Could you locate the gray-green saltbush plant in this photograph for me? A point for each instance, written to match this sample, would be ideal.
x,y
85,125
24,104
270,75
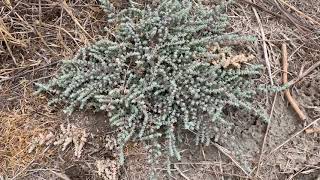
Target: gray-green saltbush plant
x,y
155,76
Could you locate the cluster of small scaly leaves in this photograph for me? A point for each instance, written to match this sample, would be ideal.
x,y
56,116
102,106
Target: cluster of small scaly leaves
x,y
150,79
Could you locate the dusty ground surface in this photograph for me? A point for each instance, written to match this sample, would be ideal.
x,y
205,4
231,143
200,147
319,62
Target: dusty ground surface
x,y
36,34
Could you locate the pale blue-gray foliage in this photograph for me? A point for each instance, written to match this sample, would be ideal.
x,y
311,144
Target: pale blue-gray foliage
x,y
154,75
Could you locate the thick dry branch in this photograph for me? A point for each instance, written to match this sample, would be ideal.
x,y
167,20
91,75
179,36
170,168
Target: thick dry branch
x,y
291,100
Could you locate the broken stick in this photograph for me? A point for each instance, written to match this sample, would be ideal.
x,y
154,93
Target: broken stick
x,y
292,101
312,130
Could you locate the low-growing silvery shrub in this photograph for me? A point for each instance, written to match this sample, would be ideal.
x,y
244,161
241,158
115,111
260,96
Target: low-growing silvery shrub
x,y
164,69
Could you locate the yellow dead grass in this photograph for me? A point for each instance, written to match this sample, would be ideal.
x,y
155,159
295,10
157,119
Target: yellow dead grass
x,y
17,129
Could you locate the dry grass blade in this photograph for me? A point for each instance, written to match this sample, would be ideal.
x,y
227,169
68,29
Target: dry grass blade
x,y
8,46
65,6
265,136
307,26
15,139
7,3
7,36
294,21
29,71
262,8
60,175
16,176
299,12
264,45
17,128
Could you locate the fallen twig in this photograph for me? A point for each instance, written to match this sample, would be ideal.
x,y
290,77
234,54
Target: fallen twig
x,y
181,173
291,100
305,73
262,8
9,49
301,24
312,130
226,152
300,13
293,136
302,27
26,72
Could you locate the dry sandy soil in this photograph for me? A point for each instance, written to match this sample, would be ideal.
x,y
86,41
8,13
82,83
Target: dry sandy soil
x,y
36,34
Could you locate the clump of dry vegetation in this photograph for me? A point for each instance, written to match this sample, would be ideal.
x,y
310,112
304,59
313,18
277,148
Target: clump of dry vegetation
x,y
68,135
17,129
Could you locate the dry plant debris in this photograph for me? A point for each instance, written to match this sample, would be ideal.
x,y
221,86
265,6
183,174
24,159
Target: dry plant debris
x,y
111,143
237,60
20,120
227,59
36,33
69,135
108,169
16,130
8,37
